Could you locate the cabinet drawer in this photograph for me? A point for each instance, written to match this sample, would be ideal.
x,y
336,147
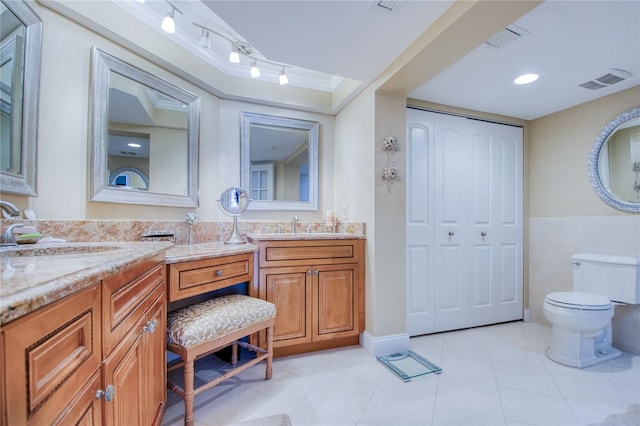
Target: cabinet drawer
x,y
188,279
125,299
282,253
49,355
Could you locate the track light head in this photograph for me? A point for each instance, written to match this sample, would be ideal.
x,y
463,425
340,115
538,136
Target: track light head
x,y
283,79
168,24
255,71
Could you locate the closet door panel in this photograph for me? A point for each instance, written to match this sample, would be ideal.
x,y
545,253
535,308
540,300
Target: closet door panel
x,y
420,224
451,289
510,283
482,294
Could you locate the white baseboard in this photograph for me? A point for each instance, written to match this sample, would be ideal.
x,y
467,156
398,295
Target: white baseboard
x,y
527,315
384,345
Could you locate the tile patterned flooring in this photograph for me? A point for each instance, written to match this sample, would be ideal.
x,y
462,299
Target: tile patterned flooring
x,y
494,375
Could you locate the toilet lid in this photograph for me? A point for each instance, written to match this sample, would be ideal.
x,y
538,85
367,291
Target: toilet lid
x,y
579,300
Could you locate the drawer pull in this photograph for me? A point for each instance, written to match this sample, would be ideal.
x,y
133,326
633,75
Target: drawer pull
x,y
151,326
108,394
219,273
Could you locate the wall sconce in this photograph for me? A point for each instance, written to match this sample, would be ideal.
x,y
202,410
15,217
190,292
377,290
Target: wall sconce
x,y
390,171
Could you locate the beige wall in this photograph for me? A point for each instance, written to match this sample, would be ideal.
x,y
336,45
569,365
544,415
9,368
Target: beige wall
x,y
63,133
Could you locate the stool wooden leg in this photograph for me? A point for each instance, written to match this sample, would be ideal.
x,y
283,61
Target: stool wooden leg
x,y
269,359
188,392
234,353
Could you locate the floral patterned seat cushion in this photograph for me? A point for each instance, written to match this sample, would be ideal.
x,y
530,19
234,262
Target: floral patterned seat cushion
x,y
215,318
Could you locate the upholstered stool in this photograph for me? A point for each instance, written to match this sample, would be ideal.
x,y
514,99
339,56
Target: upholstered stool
x,y
206,327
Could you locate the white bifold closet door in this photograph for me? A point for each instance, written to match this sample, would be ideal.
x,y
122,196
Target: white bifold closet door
x,y
464,222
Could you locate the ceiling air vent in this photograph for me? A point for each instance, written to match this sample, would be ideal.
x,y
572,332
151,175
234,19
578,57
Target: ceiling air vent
x,y
389,6
612,77
509,34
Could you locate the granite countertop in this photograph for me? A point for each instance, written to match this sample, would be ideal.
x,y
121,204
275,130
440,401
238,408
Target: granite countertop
x,y
36,275
178,254
303,236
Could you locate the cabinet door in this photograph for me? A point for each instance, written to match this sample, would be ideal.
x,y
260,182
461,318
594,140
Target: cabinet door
x,y
155,360
50,357
86,409
136,370
124,370
290,290
335,313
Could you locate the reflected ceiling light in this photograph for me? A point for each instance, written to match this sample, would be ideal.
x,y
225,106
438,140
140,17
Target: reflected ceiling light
x,y
168,24
255,71
283,79
526,79
134,145
205,41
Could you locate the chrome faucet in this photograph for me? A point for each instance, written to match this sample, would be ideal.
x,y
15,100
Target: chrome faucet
x,y
7,238
10,208
310,228
293,224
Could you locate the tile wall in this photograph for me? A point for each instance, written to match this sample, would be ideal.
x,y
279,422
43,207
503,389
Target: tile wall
x,y
552,241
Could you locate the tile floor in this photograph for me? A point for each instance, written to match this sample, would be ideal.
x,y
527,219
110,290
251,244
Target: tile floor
x,y
494,375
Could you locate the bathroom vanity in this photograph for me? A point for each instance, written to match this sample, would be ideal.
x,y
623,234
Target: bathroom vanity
x,y
82,334
317,283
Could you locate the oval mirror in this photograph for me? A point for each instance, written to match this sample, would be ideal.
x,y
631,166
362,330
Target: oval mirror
x,y
614,162
234,201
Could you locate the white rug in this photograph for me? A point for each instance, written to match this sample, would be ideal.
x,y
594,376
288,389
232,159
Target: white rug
x,y
630,418
275,420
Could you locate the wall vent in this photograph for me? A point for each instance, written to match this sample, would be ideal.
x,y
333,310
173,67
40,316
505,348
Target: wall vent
x,y
506,36
612,77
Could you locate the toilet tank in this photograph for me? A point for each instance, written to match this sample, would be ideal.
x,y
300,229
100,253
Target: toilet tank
x,y
615,277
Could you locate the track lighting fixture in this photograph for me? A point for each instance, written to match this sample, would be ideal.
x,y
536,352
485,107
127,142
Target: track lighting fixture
x,y
168,24
283,79
241,48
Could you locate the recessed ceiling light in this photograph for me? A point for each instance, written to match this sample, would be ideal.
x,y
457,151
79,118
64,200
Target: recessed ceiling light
x,y
526,79
134,145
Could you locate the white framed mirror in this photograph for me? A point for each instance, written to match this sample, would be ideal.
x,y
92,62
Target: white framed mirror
x,y
279,162
614,162
20,62
143,124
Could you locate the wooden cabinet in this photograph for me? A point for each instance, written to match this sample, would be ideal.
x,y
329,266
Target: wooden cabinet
x,y
106,340
318,288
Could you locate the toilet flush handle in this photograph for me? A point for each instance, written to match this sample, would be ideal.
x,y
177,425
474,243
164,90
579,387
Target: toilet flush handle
x,y
577,262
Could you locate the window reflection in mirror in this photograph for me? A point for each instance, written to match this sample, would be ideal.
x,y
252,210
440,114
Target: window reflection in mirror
x,y
279,162
141,122
20,58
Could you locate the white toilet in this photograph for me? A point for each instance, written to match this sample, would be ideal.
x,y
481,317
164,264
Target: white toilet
x,y
581,319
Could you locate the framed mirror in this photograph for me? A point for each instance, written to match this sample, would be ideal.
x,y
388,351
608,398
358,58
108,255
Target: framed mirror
x,y
279,162
144,137
614,162
20,59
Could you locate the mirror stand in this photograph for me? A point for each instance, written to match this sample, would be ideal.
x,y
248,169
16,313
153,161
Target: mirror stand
x,y
234,201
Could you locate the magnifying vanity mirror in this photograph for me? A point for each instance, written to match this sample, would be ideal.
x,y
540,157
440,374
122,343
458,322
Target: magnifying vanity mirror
x,y
234,201
20,59
614,162
144,147
279,162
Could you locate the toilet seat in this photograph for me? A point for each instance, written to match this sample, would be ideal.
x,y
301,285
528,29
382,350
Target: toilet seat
x,y
579,301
